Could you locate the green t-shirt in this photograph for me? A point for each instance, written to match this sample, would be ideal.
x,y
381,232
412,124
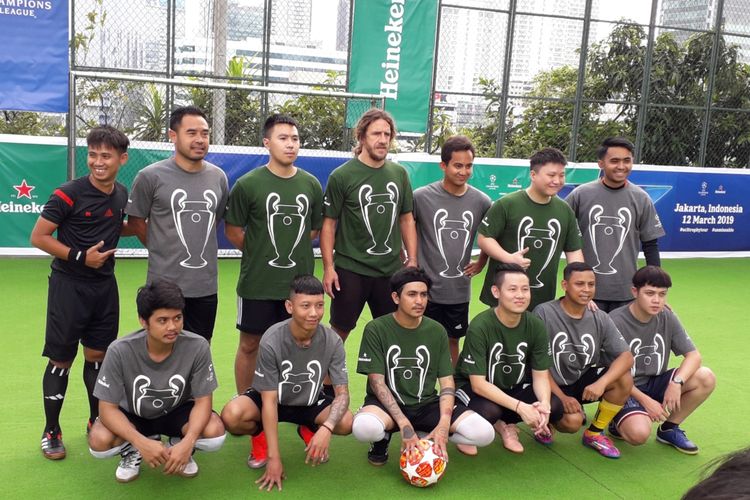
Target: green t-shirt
x,y
517,222
412,360
504,356
278,215
367,203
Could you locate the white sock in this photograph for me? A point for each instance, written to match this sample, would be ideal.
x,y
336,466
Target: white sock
x,y
108,453
210,444
368,428
473,430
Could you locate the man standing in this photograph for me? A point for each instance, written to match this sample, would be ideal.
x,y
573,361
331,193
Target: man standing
x,y
590,360
83,302
660,394
403,355
530,228
174,207
615,218
274,212
158,380
363,200
448,214
503,370
295,356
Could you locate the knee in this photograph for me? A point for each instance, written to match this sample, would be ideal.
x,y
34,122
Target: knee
x,y
249,343
344,427
367,427
569,423
635,433
100,438
232,415
214,427
706,378
93,356
61,364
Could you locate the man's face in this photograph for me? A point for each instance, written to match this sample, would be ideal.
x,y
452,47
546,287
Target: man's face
x,y
164,325
104,162
616,165
580,287
514,295
549,180
458,170
283,144
377,140
413,299
650,299
191,138
306,310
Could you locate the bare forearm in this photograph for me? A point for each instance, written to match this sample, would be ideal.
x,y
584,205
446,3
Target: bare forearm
x,y
235,235
138,227
689,365
198,419
555,388
339,406
619,367
540,384
270,417
409,235
492,248
327,240
574,256
377,383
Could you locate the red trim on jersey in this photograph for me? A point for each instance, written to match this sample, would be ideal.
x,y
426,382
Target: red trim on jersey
x,y
63,196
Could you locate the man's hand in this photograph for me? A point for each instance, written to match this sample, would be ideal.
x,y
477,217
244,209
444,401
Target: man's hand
x,y
154,453
273,475
317,450
592,306
518,258
473,268
409,439
672,397
530,415
95,258
571,405
594,391
179,455
330,281
544,412
439,436
655,411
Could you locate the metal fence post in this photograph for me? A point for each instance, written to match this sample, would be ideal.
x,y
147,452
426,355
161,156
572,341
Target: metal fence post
x,y
573,149
645,86
506,79
711,79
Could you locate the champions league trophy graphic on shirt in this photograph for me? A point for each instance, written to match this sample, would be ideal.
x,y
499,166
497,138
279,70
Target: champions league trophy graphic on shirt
x,y
145,396
286,223
573,356
509,362
379,206
407,368
541,243
296,383
452,238
648,358
603,227
194,221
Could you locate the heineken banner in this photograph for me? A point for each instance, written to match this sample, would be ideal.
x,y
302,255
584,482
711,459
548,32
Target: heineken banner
x,y
34,56
392,54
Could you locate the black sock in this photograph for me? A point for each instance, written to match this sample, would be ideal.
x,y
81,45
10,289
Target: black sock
x,y
328,390
90,372
54,386
666,426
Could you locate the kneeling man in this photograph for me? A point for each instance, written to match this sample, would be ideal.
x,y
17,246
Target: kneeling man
x,y
295,356
403,355
590,360
158,380
660,394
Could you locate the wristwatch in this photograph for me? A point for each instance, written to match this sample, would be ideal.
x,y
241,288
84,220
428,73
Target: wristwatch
x,y
677,380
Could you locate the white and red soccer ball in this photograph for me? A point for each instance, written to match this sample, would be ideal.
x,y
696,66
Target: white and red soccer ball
x,y
423,467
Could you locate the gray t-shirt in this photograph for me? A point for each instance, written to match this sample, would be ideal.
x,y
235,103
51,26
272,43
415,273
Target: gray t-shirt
x,y
139,385
296,372
447,225
578,344
613,224
183,209
651,342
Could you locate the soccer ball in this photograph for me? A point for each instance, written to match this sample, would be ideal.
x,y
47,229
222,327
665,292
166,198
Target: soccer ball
x,y
425,467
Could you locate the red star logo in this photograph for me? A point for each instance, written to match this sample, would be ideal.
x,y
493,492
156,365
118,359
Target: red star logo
x,y
24,190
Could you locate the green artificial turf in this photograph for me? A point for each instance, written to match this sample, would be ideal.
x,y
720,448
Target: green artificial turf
x,y
709,296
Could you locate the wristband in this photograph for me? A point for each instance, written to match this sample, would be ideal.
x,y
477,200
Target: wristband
x,y
77,257
326,427
517,405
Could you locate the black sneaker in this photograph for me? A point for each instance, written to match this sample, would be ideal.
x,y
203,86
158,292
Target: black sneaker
x,y
52,445
378,454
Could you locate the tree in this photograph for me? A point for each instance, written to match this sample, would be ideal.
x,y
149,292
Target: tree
x,y
152,115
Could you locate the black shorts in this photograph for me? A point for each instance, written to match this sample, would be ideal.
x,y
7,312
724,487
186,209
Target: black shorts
x,y
200,315
654,388
79,310
356,289
453,317
423,418
610,305
170,424
300,415
575,390
492,412
257,316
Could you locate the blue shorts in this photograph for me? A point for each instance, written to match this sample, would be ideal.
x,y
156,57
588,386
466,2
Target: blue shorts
x,y
654,388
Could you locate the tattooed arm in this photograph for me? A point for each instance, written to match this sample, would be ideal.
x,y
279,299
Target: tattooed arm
x,y
439,435
317,450
409,438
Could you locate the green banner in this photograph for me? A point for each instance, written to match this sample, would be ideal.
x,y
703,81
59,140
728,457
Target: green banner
x,y
28,175
392,54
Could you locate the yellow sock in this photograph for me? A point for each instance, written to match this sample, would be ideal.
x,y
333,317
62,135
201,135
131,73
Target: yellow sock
x,y
604,414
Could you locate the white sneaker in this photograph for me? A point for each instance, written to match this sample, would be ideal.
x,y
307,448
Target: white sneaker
x,y
191,468
129,467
